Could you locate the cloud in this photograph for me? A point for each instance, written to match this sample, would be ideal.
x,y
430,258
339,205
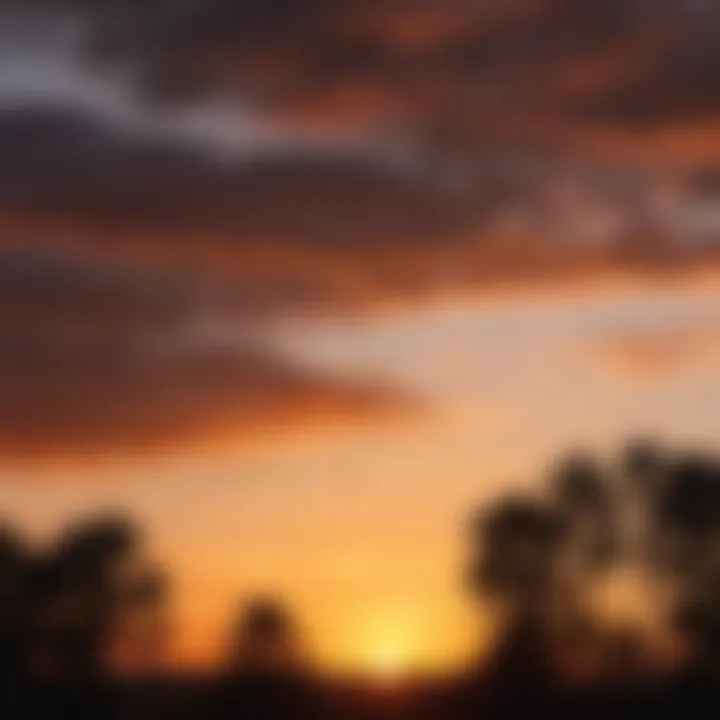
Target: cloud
x,y
655,355
447,71
291,227
97,361
679,83
324,229
158,158
65,163
451,73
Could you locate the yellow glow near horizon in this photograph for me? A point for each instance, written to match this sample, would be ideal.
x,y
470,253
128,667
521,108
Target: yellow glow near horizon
x,y
361,530
389,640
390,658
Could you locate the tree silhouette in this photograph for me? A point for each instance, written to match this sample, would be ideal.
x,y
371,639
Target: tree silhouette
x,y
266,676
265,639
687,550
84,594
540,559
12,617
582,495
516,566
65,608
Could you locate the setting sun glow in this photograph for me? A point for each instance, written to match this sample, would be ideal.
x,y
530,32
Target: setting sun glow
x,y
389,647
389,660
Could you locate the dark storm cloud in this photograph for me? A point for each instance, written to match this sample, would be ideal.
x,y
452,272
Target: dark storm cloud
x,y
98,361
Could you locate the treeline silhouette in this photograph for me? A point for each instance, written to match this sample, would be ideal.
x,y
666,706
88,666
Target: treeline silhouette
x,y
646,523
602,581
66,609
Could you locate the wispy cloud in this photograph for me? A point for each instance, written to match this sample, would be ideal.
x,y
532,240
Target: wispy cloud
x,y
656,354
97,361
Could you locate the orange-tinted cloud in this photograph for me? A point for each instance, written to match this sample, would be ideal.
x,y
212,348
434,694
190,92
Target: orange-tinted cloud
x,y
97,361
474,118
652,355
443,71
429,64
379,149
322,228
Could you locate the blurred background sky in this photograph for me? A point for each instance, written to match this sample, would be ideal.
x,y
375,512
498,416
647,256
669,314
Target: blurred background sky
x,y
298,282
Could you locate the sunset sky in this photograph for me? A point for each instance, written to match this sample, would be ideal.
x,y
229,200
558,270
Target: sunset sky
x,y
299,283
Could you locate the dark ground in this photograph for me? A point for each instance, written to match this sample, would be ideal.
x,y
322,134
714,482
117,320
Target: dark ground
x,y
687,695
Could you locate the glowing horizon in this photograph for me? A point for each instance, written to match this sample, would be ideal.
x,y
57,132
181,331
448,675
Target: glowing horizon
x,y
320,518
